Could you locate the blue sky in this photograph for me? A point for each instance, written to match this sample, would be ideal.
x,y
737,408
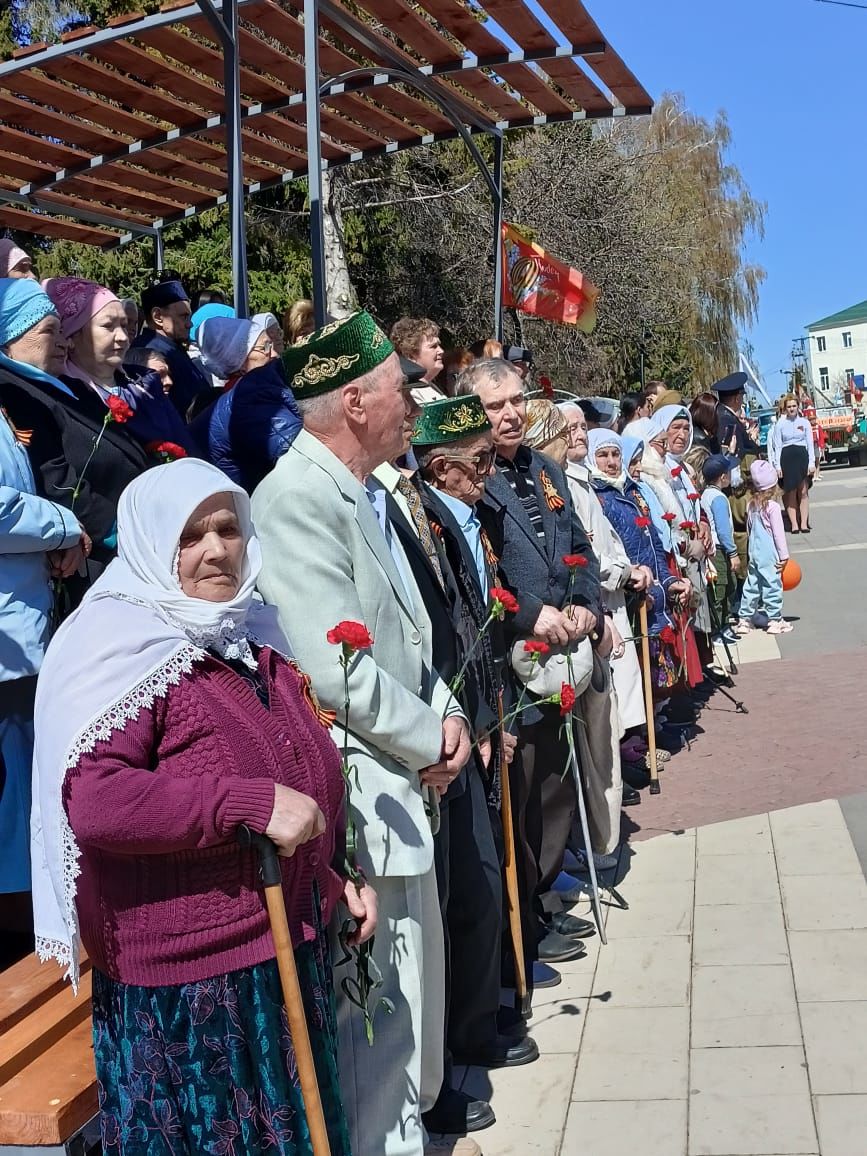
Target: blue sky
x,y
791,76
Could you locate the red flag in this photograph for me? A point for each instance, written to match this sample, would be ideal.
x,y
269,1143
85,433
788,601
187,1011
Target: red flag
x,y
535,282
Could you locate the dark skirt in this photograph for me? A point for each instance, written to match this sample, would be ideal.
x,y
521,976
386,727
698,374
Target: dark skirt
x,y
16,759
794,462
209,1067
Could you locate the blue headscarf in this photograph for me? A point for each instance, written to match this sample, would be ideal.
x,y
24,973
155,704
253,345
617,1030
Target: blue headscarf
x,y
213,310
23,304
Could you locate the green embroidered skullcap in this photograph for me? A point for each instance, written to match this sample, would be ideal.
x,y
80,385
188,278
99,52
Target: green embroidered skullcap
x,y
338,353
450,420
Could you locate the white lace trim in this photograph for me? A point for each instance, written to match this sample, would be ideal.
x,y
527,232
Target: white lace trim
x,y
114,718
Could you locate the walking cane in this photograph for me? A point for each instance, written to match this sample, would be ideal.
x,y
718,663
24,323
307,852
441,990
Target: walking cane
x,y
522,995
269,866
648,698
595,901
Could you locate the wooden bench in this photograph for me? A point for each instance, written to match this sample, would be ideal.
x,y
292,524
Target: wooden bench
x,y
47,1078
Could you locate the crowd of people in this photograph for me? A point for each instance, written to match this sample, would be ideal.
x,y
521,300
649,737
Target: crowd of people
x,y
378,602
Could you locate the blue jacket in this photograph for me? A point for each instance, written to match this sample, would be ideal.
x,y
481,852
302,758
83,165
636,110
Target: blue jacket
x,y
249,427
188,380
641,543
155,418
29,527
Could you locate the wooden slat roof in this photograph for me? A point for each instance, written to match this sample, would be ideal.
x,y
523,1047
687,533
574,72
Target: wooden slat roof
x,y
120,132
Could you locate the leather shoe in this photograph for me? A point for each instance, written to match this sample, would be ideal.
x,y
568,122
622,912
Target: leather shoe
x,y
631,797
452,1146
554,947
572,926
635,775
504,1052
545,976
456,1112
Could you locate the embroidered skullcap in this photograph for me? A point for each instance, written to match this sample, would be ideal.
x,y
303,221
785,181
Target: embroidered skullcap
x,y
10,255
162,295
77,300
23,304
225,343
449,420
333,356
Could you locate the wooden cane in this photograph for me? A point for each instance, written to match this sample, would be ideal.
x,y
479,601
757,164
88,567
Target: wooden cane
x,y
648,698
269,866
522,995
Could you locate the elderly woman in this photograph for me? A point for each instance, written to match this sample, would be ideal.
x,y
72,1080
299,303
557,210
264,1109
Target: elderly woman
x,y
14,262
232,346
255,420
273,330
547,430
168,716
626,509
791,452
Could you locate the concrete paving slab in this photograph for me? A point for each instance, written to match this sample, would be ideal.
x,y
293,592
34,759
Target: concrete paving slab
x,y
750,933
654,909
617,1127
648,972
531,1103
750,835
842,1122
724,879
741,1005
824,902
829,966
639,1052
834,1036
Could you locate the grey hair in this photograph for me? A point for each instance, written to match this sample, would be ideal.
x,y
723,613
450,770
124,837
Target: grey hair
x,y
324,410
487,369
424,455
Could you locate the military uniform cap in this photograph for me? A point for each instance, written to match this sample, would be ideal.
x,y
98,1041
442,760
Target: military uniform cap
x,y
334,355
449,420
734,383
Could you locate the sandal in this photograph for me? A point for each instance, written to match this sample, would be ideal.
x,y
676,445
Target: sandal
x,y
744,626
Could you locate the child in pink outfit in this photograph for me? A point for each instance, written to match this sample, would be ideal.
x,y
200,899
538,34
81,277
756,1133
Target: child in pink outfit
x,y
767,553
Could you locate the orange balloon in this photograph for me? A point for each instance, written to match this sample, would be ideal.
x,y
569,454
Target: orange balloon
x,y
791,575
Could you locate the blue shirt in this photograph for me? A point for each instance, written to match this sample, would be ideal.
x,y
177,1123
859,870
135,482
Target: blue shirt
x,y
471,528
376,494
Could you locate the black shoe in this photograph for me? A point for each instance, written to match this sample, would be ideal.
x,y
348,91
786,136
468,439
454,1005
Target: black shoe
x,y
557,948
679,712
572,926
806,529
456,1113
545,976
631,797
635,775
504,1052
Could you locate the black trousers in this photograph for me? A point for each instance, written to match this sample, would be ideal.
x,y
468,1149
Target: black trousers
x,y
470,890
549,802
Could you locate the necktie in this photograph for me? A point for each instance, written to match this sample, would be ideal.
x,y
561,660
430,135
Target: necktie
x,y
422,525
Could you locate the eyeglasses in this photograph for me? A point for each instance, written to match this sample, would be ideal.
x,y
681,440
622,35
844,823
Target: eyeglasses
x,y
266,348
481,462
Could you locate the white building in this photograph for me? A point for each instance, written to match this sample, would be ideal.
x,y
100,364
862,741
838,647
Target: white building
x,y
838,349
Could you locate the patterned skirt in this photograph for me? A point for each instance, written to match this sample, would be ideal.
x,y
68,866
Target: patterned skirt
x,y
209,1067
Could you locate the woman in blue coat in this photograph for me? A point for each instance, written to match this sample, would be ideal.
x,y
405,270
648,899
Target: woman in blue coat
x,y
626,509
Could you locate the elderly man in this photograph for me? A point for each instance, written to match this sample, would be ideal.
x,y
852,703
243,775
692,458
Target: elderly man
x,y
418,338
167,314
330,554
528,513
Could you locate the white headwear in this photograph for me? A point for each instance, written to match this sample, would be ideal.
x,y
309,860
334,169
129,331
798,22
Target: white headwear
x,y
134,635
266,320
663,418
225,344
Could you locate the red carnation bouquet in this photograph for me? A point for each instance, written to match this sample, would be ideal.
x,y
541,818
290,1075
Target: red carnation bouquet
x,y
502,603
353,637
117,410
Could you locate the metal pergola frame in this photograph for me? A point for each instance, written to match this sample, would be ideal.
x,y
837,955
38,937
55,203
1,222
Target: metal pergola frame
x,y
394,67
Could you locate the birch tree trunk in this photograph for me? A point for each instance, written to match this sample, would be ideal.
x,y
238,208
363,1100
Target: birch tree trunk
x,y
340,296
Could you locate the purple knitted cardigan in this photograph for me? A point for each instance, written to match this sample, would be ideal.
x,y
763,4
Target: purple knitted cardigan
x,y
166,895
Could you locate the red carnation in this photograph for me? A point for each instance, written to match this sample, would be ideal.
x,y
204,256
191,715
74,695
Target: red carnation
x,y
351,636
547,387
676,471
573,560
667,636
120,410
693,497
687,525
642,523
502,601
171,451
539,648
567,699
669,517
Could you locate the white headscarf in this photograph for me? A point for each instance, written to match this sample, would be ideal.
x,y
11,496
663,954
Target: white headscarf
x,y
597,439
663,418
266,320
225,343
134,635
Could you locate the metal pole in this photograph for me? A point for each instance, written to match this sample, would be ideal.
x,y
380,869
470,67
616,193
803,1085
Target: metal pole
x,y
159,251
498,236
235,156
314,157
